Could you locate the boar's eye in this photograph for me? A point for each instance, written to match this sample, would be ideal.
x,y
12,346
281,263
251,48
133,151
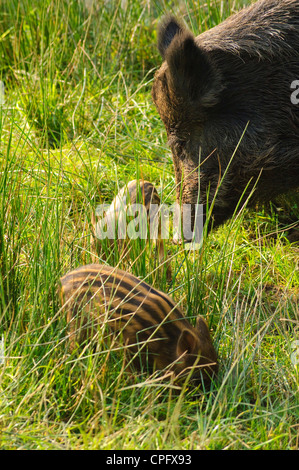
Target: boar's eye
x,y
178,146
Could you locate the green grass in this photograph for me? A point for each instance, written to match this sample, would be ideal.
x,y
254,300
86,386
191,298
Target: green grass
x,y
77,123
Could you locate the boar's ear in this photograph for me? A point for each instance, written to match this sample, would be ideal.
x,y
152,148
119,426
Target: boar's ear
x,y
168,29
188,342
191,73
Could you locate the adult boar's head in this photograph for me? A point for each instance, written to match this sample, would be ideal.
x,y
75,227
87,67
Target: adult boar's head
x,y
224,98
186,86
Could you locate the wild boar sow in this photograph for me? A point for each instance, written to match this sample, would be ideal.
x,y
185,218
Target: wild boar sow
x,y
240,75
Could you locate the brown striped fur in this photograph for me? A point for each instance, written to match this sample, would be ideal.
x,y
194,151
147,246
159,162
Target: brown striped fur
x,y
149,323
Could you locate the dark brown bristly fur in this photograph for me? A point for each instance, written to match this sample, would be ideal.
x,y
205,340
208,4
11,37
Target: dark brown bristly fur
x,y
152,328
211,88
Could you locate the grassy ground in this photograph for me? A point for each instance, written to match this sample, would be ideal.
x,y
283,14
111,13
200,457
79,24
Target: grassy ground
x,y
76,124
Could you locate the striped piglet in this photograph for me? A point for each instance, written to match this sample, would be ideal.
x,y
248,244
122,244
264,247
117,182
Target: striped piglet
x,y
151,327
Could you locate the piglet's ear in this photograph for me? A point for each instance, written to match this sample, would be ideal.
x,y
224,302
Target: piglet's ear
x,y
191,73
202,327
187,343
